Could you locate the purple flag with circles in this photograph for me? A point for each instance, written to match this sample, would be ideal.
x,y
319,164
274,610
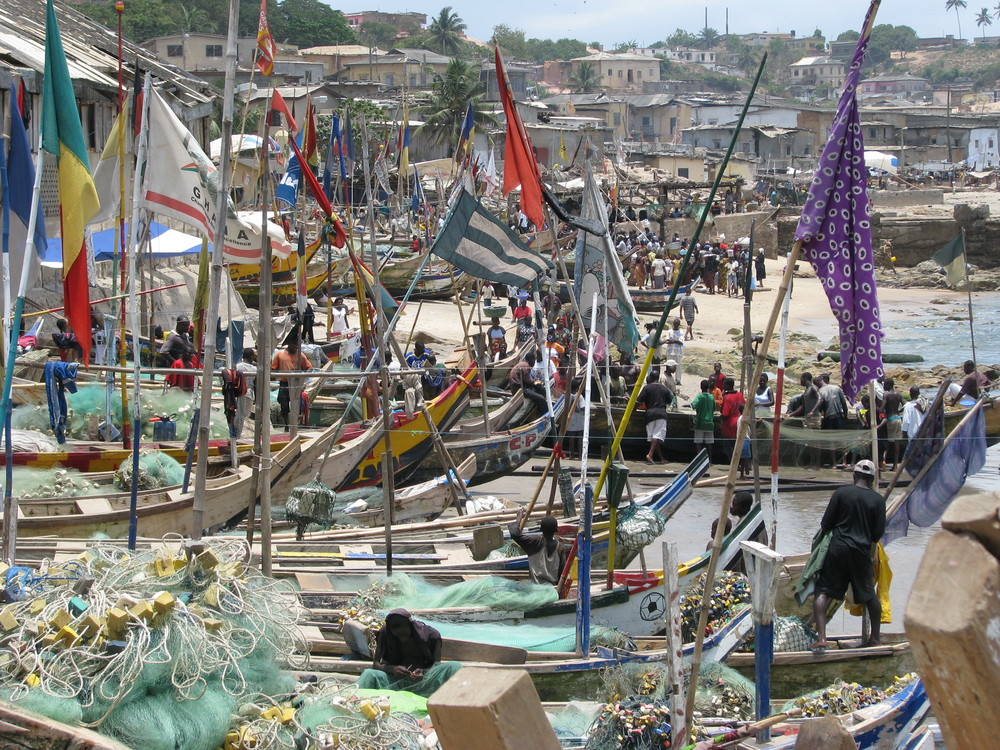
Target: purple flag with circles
x,y
836,234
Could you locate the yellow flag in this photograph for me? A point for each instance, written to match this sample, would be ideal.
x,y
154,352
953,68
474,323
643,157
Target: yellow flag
x,y
563,154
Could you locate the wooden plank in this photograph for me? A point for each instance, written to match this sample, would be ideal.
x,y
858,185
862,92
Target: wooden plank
x,y
978,515
90,506
490,710
314,582
825,733
467,651
358,549
458,554
951,619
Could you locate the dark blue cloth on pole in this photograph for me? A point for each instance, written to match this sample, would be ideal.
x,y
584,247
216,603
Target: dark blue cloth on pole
x,y
59,377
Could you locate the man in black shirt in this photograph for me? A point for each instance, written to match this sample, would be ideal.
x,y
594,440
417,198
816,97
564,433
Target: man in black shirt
x,y
856,517
655,397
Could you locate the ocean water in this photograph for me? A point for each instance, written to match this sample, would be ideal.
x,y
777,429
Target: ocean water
x,y
940,333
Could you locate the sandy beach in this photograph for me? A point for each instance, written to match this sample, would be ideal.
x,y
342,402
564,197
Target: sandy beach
x,y
811,323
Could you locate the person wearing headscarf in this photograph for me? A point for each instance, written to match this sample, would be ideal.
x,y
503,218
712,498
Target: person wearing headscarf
x,y
407,657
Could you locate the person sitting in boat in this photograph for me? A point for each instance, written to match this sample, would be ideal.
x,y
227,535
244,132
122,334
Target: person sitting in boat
x,y
187,361
65,341
407,657
178,340
546,554
497,336
855,518
416,359
968,392
520,379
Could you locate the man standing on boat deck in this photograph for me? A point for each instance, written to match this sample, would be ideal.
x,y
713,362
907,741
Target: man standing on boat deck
x,y
856,519
178,340
288,360
546,554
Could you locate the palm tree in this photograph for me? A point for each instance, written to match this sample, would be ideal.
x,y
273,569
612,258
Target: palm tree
x,y
708,37
955,5
586,79
445,32
983,20
194,18
450,97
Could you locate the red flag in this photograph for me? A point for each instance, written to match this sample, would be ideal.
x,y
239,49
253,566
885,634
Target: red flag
x,y
278,104
309,136
340,238
519,164
266,48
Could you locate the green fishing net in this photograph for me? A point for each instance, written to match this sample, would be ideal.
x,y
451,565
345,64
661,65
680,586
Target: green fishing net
x,y
527,636
638,527
493,592
87,407
724,692
156,470
30,483
155,648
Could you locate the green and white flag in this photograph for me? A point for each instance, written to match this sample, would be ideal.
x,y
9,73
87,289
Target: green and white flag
x,y
951,258
475,241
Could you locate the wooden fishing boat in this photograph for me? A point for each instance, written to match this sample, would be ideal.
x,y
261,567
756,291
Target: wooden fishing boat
x,y
499,453
797,672
437,280
158,513
284,293
557,675
97,457
411,442
419,502
882,726
655,300
24,730
497,373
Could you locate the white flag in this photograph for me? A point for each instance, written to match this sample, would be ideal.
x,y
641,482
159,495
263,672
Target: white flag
x,y
106,177
490,176
183,183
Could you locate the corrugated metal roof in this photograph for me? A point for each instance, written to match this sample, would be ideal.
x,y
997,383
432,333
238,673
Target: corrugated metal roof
x,y
91,51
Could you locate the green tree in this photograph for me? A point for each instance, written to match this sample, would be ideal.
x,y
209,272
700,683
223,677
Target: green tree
x,y
511,41
377,34
983,20
142,20
561,49
668,68
708,38
818,34
445,32
682,38
309,23
586,79
626,46
194,18
747,58
848,36
955,5
450,97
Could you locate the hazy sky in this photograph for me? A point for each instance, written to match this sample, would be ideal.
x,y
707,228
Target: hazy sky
x,y
648,21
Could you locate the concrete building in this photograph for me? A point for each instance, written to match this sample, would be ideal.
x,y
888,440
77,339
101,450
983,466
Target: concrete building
x,y
412,68
811,73
904,86
983,150
408,24
334,57
617,72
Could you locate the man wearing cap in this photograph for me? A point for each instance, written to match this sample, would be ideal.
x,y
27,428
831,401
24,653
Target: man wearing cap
x,y
855,518
668,379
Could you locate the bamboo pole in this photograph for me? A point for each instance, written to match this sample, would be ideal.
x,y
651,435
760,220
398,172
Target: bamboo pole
x,y
215,276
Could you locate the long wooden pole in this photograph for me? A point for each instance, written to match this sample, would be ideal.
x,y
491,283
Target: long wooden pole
x,y
215,275
648,361
262,405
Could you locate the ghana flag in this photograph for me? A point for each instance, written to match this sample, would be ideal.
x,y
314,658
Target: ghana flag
x,y
62,137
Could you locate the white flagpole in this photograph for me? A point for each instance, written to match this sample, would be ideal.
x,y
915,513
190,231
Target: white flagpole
x,y
215,274
138,186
